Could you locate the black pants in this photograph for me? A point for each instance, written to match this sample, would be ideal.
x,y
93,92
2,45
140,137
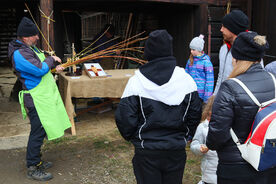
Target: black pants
x,y
268,177
164,168
252,181
36,138
244,174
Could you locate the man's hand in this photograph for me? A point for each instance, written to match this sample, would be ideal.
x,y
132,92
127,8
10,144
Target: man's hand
x,y
59,68
57,59
203,148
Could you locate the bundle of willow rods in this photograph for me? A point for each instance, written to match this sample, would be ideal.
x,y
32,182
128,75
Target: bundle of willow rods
x,y
110,51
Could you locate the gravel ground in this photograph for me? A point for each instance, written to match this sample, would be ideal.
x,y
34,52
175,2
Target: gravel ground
x,y
85,160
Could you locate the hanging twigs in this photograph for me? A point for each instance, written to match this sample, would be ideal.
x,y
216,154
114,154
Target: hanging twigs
x,y
48,25
50,48
107,56
78,55
127,35
228,7
45,16
110,51
126,42
81,53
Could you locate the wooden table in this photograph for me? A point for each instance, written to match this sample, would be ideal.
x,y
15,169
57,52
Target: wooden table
x,y
83,86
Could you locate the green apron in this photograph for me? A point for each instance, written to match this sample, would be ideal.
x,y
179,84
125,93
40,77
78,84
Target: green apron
x,y
48,104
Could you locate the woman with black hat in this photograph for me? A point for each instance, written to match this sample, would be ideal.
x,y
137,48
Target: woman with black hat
x,y
233,108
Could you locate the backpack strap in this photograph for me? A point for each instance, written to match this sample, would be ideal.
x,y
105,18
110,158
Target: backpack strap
x,y
250,94
234,137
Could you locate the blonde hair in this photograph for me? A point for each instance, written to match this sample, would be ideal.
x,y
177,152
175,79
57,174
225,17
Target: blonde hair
x,y
207,109
240,67
191,60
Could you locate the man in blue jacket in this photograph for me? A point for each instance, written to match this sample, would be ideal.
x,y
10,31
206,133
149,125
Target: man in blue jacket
x,y
32,69
160,108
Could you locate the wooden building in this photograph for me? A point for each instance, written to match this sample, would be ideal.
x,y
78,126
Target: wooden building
x,y
77,21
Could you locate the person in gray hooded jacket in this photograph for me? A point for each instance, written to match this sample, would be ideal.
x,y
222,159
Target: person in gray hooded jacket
x,y
159,109
232,24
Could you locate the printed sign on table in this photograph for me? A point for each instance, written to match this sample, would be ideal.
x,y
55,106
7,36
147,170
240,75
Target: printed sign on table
x,y
94,70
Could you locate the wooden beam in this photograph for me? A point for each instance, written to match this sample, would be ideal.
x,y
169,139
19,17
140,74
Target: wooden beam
x,y
46,6
224,2
197,2
193,2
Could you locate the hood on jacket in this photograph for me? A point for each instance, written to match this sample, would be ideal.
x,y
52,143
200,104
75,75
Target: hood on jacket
x,y
158,51
13,46
159,70
171,93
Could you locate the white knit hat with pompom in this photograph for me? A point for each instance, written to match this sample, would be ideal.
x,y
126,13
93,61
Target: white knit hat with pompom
x,y
197,43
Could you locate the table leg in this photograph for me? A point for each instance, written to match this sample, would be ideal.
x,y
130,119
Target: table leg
x,y
73,128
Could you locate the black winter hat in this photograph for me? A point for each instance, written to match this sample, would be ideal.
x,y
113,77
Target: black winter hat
x,y
249,46
26,28
159,44
236,21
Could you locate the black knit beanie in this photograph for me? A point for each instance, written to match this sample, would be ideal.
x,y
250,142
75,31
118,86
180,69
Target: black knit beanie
x,y
26,28
236,21
159,44
249,46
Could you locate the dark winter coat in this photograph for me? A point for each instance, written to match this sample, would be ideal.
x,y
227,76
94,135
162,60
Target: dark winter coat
x,y
234,108
159,117
160,106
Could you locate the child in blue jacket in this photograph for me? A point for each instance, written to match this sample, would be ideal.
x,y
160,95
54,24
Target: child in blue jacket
x,y
200,68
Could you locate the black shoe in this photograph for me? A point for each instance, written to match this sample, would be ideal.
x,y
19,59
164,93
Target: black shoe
x,y
44,165
34,172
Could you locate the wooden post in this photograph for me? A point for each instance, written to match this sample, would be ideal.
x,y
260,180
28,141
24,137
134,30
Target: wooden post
x,y
204,25
46,7
127,35
249,12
